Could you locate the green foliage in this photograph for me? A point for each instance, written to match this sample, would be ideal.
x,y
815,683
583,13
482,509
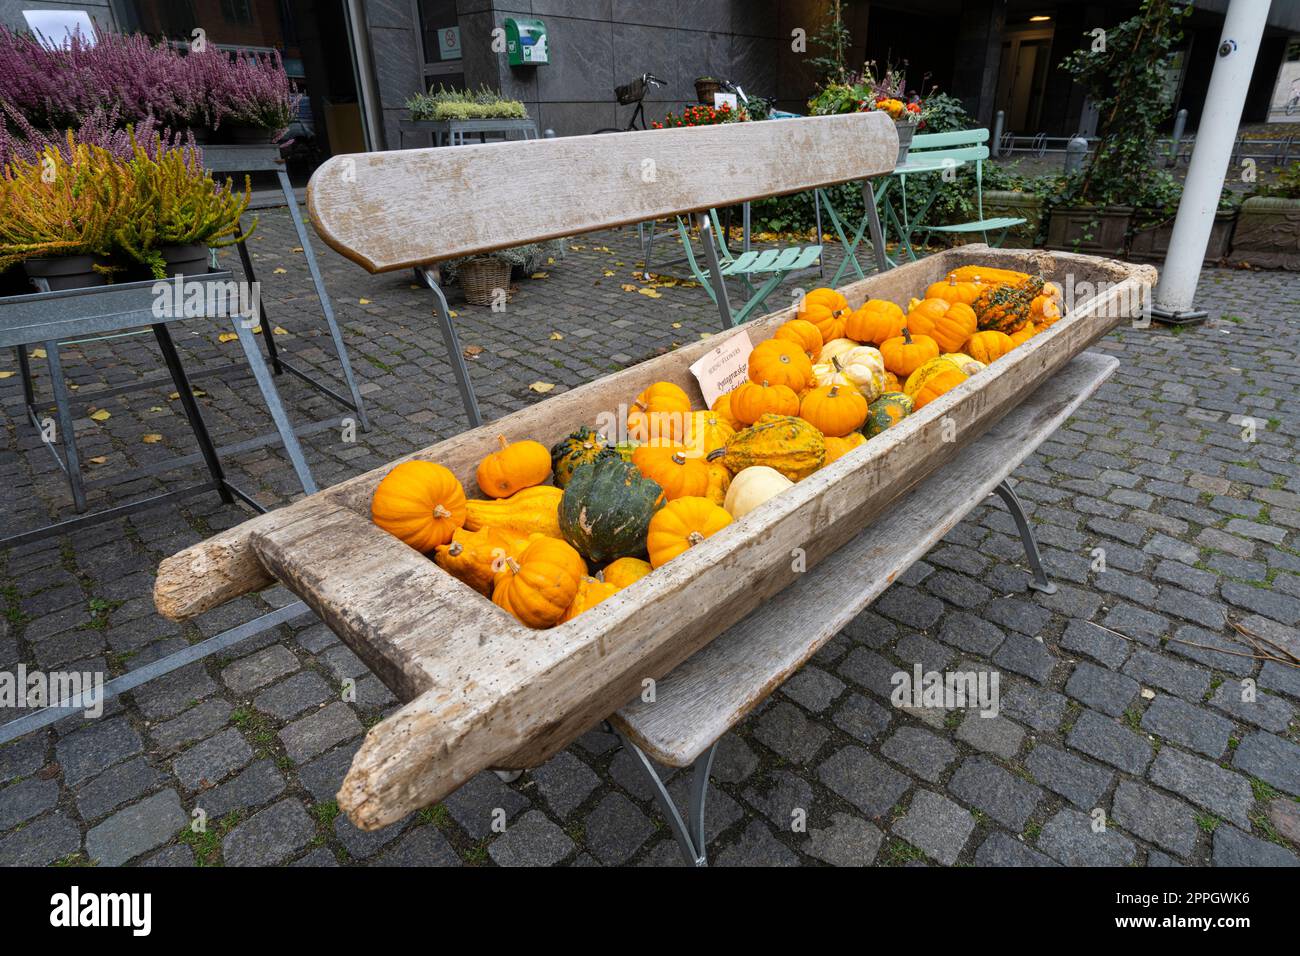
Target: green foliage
x,y
483,103
832,41
1285,186
1127,84
795,213
944,113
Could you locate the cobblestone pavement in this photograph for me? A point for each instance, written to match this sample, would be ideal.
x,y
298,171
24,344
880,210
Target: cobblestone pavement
x,y
1124,693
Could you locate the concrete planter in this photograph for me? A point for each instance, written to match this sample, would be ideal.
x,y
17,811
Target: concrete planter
x,y
1151,243
1026,206
1268,233
1091,230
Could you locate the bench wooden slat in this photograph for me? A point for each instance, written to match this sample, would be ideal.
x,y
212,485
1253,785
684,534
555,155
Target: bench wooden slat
x,y
393,210
717,687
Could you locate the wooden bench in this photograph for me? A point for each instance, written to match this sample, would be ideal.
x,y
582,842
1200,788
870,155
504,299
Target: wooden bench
x,y
413,208
703,698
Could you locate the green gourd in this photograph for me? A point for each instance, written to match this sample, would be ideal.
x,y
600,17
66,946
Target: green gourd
x,y
606,510
584,445
886,411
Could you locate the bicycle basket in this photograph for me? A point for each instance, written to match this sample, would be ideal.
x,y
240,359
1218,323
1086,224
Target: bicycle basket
x,y
630,93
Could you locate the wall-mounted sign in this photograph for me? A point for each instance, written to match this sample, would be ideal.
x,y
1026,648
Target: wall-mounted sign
x,y
526,42
449,43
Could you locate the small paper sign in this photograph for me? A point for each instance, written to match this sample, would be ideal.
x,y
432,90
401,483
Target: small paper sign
x,y
724,99
723,368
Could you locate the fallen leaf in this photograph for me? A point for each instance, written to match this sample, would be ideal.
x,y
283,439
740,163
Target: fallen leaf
x,y
629,288
363,301
677,325
451,313
101,416
227,337
151,439
38,353
98,459
414,286
296,249
542,387
651,293
540,275
473,350
159,408
556,337
706,335
279,331
608,272
550,261
278,272
4,375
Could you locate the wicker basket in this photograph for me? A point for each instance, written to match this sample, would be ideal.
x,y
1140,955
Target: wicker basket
x,y
480,278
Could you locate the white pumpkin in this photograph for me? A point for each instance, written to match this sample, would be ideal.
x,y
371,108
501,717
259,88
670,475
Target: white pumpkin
x,y
861,367
835,347
751,487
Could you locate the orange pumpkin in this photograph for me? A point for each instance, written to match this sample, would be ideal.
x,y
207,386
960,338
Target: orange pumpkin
x,y
625,571
952,290
949,323
591,591
722,405
1025,333
752,401
472,556
780,362
421,503
669,467
538,586
892,384
906,353
803,334
1045,309
877,320
826,309
834,410
657,413
837,448
987,347
705,432
682,524
513,467
933,379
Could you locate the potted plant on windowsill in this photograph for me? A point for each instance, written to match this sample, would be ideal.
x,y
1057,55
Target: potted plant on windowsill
x,y
1268,229
443,105
1125,79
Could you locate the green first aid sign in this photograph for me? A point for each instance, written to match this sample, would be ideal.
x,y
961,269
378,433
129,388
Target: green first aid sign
x,y
526,42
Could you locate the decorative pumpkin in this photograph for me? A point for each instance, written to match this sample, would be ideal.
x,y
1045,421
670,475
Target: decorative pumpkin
x,y
531,511
964,362
657,413
1007,308
625,571
862,367
877,320
826,309
471,555
988,347
953,291
606,509
705,432
421,503
751,487
591,591
669,467
950,324
892,384
835,348
1045,309
933,379
1025,333
780,362
834,410
723,407
906,353
584,445
886,411
752,401
791,445
837,448
987,275
803,334
538,586
682,524
719,479
513,467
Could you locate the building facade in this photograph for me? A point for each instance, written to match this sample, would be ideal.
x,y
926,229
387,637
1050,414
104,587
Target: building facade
x,y
359,60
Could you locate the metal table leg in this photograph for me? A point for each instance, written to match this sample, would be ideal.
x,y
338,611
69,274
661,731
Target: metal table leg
x,y
454,354
192,413
689,833
1041,582
272,398
71,461
715,272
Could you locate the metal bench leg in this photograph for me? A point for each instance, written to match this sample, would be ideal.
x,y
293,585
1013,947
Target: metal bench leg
x,y
1040,581
192,413
454,354
689,833
71,457
873,225
715,272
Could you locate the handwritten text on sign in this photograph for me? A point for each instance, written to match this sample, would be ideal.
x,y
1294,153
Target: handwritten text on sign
x,y
723,368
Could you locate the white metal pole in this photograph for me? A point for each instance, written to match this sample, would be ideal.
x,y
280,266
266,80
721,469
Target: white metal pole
x,y
1243,26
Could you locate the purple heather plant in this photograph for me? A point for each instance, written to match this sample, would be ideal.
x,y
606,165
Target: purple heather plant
x,y
103,129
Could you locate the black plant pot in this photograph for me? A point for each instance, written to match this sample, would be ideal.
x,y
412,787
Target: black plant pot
x,y
66,272
242,135
186,260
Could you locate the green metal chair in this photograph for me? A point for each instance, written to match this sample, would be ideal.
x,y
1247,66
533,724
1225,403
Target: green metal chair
x,y
961,147
774,264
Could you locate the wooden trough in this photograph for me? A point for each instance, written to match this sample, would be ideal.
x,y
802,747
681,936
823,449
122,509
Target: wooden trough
x,y
484,691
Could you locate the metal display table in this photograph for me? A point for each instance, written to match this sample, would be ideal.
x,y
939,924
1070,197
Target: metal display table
x,y
454,132
51,319
235,160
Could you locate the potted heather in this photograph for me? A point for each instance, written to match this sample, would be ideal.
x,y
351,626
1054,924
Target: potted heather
x,y
1091,212
443,105
250,95
1268,230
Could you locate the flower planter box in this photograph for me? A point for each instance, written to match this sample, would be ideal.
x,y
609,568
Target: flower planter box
x,y
487,692
1268,234
1027,206
1090,230
1151,243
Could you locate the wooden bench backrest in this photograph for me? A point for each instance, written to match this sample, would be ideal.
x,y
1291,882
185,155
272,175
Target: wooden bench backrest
x,y
405,208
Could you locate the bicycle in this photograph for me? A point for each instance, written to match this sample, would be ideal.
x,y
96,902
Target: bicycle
x,y
629,94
